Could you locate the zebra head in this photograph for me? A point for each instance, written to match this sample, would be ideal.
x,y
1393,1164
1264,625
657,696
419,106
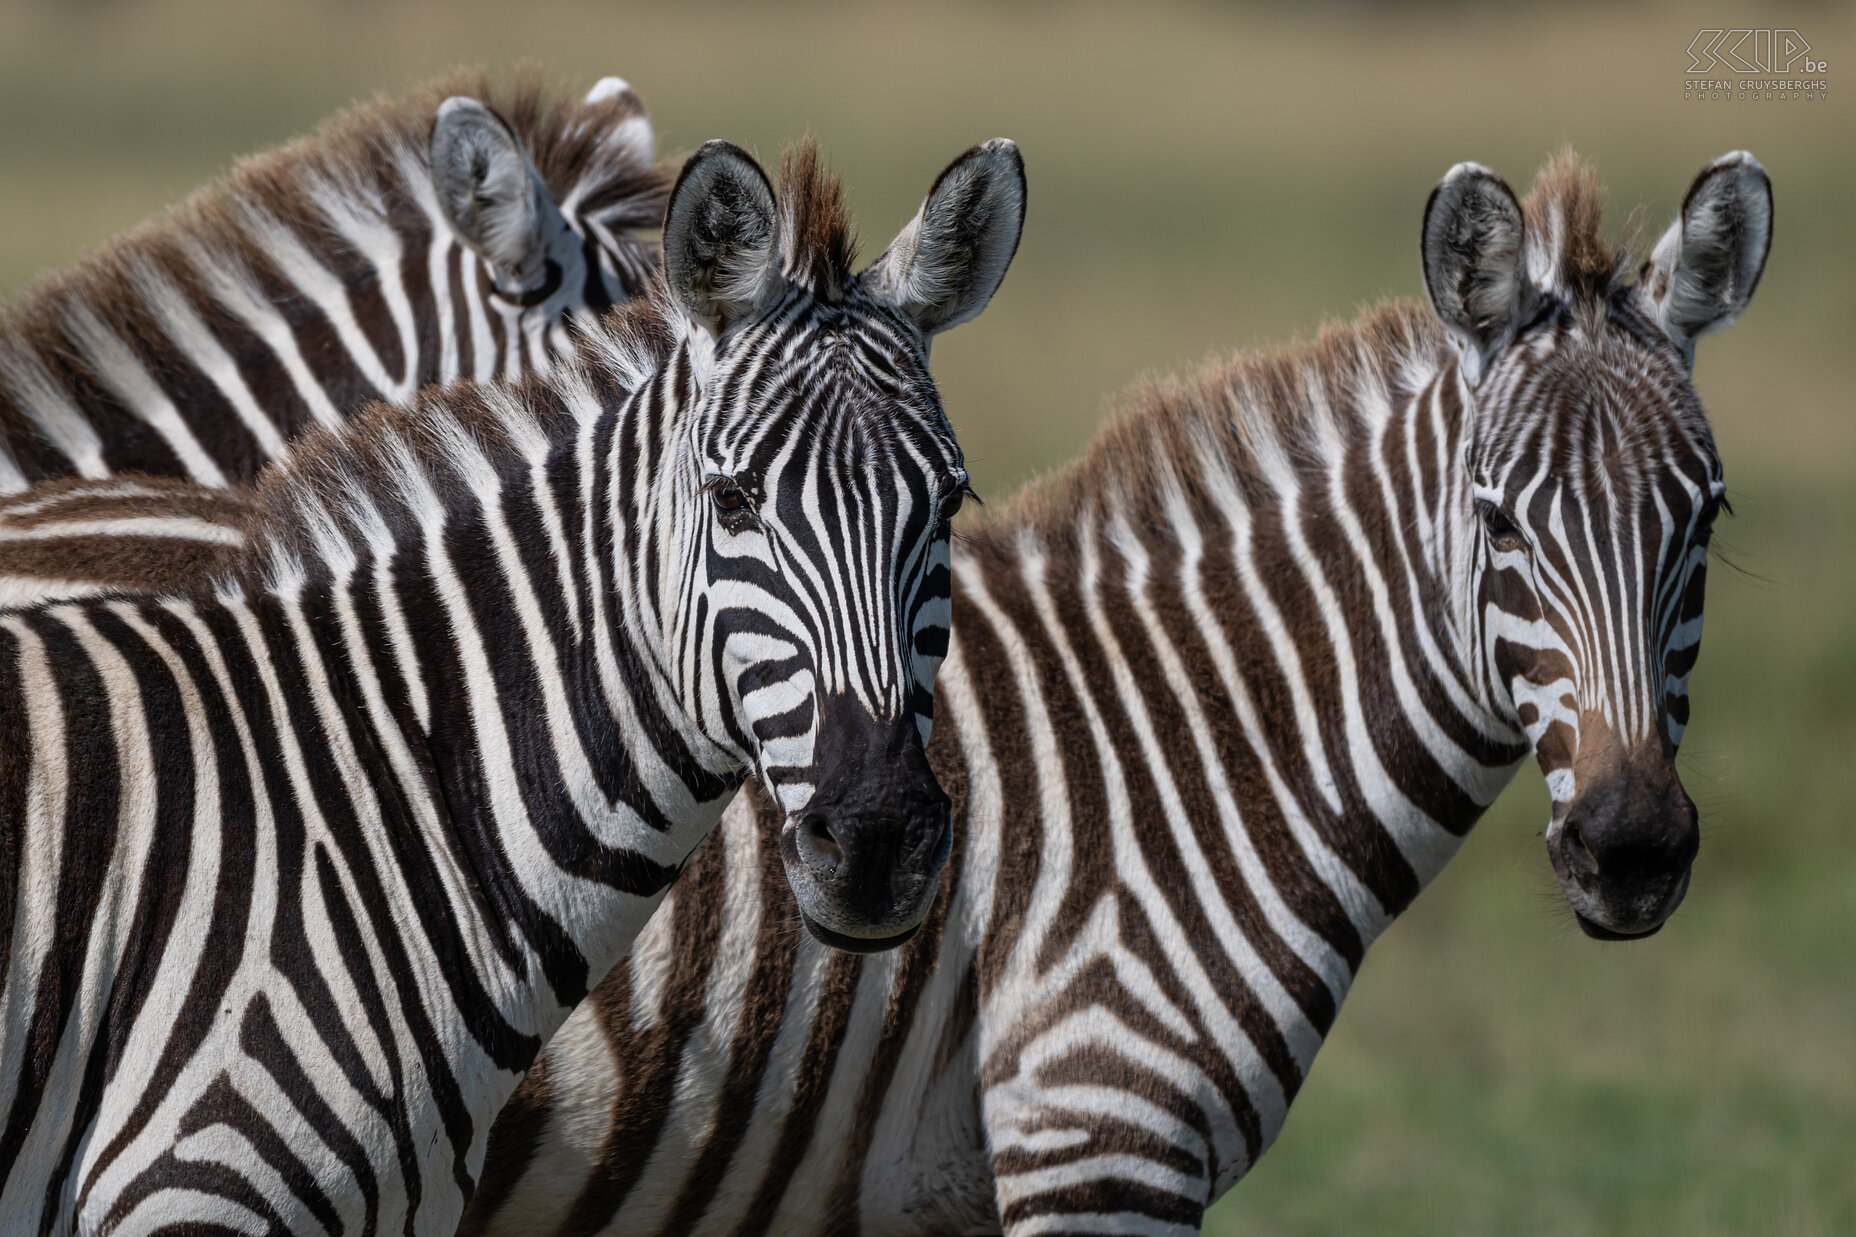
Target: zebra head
x,y
555,254
821,477
1592,486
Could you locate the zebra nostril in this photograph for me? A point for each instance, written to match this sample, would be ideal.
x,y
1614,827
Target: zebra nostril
x,y
824,842
1578,855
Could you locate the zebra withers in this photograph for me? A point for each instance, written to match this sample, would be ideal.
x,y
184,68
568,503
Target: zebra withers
x,y
1218,703
302,869
459,233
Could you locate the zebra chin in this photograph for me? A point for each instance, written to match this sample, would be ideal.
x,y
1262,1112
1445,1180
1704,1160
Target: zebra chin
x,y
872,894
1600,932
857,944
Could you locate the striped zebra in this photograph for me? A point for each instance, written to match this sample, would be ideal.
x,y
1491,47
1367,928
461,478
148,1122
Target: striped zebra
x,y
62,540
1219,702
300,868
459,233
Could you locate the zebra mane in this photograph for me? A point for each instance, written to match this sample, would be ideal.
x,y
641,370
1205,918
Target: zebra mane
x,y
1246,421
1567,252
1258,416
818,244
362,166
373,478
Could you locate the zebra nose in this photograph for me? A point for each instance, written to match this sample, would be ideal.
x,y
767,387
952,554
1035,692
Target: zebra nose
x,y
864,878
818,846
1579,856
865,856
1612,843
1624,850
865,852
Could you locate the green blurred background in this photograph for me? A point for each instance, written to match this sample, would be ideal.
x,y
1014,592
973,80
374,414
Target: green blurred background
x,y
1205,178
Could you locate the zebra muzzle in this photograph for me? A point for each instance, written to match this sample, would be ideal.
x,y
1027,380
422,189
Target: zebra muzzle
x,y
864,856
1624,849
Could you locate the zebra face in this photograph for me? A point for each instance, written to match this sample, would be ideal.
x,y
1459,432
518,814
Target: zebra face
x,y
826,573
815,601
1594,501
551,264
1593,487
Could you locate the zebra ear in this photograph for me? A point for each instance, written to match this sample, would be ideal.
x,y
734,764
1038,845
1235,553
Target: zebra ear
x,y
615,111
491,194
606,88
1473,272
945,265
722,238
1705,268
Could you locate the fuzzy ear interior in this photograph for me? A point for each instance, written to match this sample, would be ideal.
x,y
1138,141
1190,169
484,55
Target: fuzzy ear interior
x,y
722,238
1473,263
945,265
490,193
1706,267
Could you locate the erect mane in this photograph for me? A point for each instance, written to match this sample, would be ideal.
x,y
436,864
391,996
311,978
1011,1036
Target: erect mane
x,y
818,244
1290,408
376,156
366,474
1566,247
1256,413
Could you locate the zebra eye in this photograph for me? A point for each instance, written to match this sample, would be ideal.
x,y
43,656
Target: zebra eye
x,y
727,496
950,506
1502,533
1710,511
955,500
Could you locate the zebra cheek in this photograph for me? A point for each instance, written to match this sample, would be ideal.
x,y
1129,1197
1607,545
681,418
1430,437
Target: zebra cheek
x,y
1555,749
1517,666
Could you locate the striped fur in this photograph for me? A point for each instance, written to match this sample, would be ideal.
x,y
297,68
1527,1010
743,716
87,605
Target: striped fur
x,y
300,868
1219,702
134,534
317,278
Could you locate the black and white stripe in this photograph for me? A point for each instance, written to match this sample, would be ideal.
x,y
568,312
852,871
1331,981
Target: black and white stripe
x,y
302,868
1219,702
330,273
78,538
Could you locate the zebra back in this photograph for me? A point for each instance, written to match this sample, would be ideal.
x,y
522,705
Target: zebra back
x,y
126,534
317,278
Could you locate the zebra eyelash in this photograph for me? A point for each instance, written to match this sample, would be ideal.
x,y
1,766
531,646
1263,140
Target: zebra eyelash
x,y
956,499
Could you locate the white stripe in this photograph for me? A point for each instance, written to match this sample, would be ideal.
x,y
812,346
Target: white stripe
x,y
118,368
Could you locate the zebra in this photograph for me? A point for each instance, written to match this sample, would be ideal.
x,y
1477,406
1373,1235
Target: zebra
x,y
461,232
301,865
1219,702
63,540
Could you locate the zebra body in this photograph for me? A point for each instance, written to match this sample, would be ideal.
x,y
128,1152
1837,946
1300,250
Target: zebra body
x,y
299,869
333,272
77,538
1218,704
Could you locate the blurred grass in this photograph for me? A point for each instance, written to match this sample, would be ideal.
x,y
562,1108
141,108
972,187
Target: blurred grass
x,y
1205,177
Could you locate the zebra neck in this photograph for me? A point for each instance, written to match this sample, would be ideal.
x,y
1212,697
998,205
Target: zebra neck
x,y
1277,554
316,279
489,638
